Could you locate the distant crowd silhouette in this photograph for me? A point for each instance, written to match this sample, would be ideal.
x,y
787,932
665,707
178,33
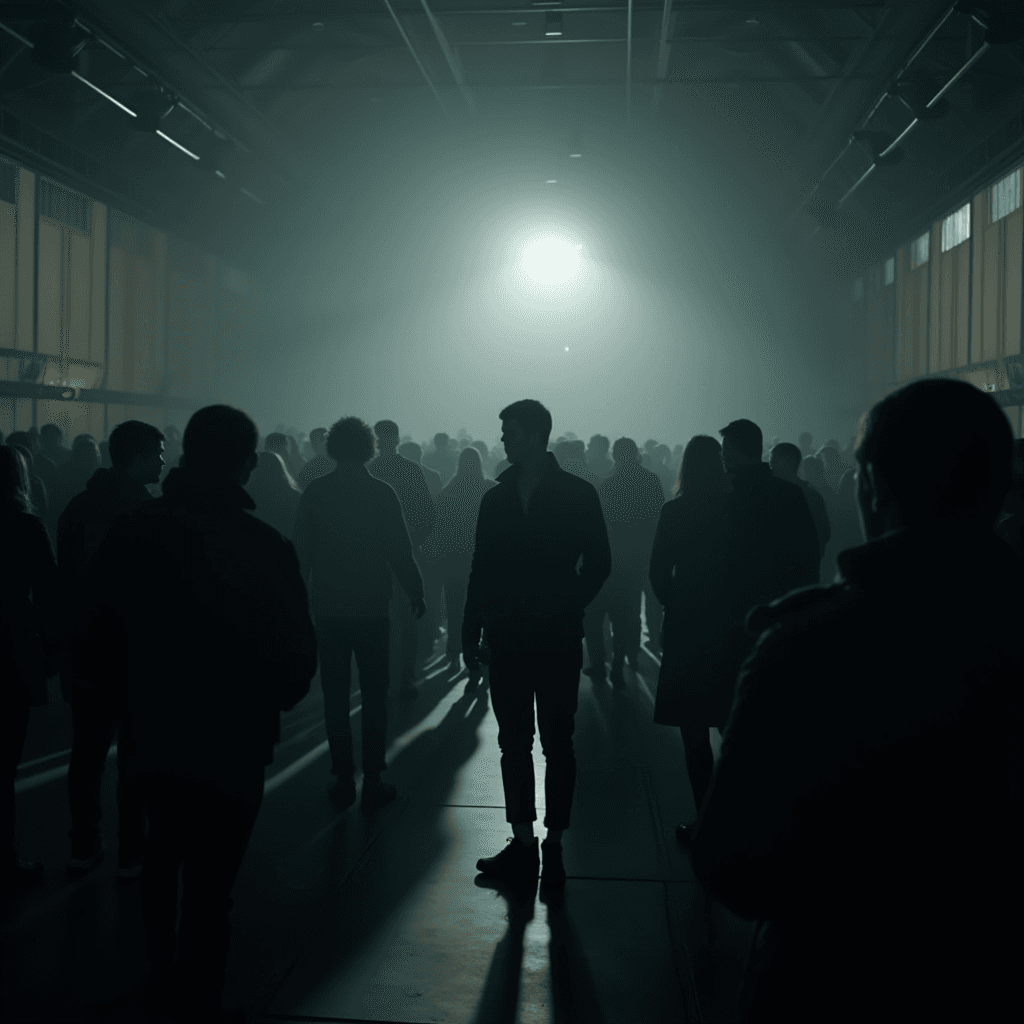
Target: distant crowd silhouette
x,y
850,620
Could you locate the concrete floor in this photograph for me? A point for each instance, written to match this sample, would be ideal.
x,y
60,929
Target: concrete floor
x,y
382,917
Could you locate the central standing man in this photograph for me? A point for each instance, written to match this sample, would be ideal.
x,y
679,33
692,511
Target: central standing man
x,y
524,589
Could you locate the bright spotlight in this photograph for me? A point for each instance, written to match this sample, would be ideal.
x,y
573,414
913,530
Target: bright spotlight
x,y
551,260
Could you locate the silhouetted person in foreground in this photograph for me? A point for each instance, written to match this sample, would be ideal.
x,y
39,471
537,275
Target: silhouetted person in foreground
x,y
784,462
351,537
870,812
321,464
137,456
450,547
275,493
408,482
632,499
689,572
524,589
1010,524
205,710
442,459
30,644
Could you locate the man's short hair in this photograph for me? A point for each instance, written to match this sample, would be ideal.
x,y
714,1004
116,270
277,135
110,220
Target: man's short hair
x,y
441,440
386,431
51,430
600,443
788,454
131,438
625,450
219,438
746,437
275,440
944,447
83,442
351,440
530,416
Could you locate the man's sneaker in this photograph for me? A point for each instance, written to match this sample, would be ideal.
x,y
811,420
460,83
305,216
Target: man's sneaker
x,y
554,872
516,862
377,793
80,866
342,793
22,875
129,867
684,834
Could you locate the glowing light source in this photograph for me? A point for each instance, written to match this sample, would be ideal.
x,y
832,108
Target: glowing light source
x,y
550,260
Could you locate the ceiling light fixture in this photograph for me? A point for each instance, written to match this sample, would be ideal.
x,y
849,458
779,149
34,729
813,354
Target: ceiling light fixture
x,y
105,95
188,152
551,181
255,199
220,174
553,23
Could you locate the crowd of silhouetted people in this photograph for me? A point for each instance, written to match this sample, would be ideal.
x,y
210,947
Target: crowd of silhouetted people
x,y
848,618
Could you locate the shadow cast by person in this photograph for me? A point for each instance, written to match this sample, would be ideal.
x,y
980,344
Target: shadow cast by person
x,y
347,922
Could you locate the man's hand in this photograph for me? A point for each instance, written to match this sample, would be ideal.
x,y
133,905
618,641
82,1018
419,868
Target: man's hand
x,y
419,608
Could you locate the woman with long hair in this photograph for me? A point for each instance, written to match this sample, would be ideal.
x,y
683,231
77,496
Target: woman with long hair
x,y
450,546
275,492
29,642
689,576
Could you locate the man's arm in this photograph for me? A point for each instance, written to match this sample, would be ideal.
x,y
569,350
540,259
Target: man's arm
x,y
802,542
597,553
480,576
303,535
399,547
298,649
748,809
661,559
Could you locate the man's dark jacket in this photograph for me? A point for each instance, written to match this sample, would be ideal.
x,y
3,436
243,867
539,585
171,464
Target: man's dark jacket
x,y
525,564
80,530
772,542
819,513
195,567
867,799
350,538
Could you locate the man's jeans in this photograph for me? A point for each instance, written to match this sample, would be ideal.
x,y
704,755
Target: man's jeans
x,y
197,828
337,641
536,659
95,721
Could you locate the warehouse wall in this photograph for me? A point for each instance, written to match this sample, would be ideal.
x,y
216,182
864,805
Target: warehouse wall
x,y
956,312
106,302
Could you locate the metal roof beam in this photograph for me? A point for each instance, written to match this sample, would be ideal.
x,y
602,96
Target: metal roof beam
x,y
449,56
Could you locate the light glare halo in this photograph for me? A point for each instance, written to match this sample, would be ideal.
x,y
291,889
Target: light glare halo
x,y
551,260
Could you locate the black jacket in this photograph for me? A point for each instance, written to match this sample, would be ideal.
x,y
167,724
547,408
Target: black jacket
x,y
194,566
80,530
350,537
525,564
867,799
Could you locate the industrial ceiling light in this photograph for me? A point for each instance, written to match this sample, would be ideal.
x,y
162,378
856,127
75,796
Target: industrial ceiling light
x,y
57,47
105,95
551,260
177,145
553,23
151,108
879,145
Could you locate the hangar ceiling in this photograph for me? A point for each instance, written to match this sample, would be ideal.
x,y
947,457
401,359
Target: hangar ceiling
x,y
202,116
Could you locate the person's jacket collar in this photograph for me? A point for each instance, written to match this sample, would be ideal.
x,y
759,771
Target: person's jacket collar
x,y
116,483
933,553
184,486
512,474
